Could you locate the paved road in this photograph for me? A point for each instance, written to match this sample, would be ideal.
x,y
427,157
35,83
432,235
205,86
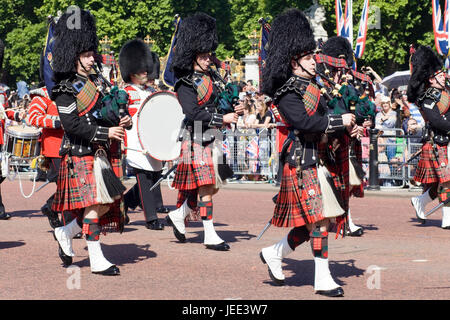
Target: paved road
x,y
396,258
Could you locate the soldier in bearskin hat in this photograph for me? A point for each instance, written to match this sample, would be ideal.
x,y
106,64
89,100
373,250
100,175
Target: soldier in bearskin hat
x,y
137,66
197,93
349,149
289,78
88,182
426,88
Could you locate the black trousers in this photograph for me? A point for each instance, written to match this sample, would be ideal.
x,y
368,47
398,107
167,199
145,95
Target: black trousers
x,y
140,195
52,176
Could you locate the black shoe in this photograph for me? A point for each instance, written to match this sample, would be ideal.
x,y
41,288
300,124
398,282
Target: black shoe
x,y
357,233
66,260
276,281
5,216
52,217
219,247
154,225
111,271
162,210
181,237
338,292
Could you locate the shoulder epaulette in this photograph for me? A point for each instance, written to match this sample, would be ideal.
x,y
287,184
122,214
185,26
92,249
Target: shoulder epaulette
x,y
294,84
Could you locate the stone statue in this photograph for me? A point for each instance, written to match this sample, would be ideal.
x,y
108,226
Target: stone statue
x,y
316,17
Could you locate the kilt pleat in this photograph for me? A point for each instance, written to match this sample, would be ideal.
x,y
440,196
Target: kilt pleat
x,y
431,169
196,167
298,205
77,192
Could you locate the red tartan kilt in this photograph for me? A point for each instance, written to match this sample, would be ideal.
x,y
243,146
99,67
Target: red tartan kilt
x,y
195,169
74,193
296,206
429,169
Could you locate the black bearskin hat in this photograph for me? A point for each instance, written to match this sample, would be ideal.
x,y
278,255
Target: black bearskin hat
x,y
135,57
290,35
196,34
73,35
156,67
424,63
339,47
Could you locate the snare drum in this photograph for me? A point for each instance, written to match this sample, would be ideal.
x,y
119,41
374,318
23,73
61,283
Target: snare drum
x,y
22,142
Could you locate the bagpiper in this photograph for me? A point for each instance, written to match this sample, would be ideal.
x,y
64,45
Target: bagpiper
x,y
90,171
346,151
197,173
427,89
289,78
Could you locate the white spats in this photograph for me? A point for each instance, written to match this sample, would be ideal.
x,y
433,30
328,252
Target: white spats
x,y
177,216
351,225
419,203
322,276
273,256
446,217
64,236
96,258
211,236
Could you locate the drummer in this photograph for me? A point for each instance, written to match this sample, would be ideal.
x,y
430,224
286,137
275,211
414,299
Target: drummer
x,y
14,115
136,66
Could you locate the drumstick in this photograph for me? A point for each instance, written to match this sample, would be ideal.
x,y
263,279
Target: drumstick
x,y
132,149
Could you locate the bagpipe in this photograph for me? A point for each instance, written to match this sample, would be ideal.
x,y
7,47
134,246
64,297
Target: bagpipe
x,y
228,92
114,101
344,95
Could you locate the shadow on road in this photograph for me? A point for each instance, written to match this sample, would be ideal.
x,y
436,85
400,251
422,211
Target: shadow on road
x,y
227,236
303,272
428,223
27,214
121,254
11,244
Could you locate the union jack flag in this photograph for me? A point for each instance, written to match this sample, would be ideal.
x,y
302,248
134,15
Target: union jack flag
x,y
344,20
344,26
362,32
226,148
440,27
252,149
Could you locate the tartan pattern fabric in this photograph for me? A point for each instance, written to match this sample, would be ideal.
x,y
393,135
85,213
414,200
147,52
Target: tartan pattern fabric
x,y
361,76
432,170
444,102
190,196
204,90
195,168
311,98
340,170
206,210
319,243
298,205
297,236
444,194
87,98
91,229
334,62
357,191
78,191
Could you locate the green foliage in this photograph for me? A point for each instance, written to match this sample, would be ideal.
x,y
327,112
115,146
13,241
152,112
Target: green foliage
x,y
23,27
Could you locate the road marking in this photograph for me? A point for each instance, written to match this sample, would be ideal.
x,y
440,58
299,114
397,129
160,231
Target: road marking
x,y
420,260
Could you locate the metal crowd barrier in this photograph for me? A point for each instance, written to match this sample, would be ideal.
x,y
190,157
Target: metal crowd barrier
x,y
385,155
251,152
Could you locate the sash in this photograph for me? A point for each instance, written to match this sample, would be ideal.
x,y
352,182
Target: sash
x,y
87,98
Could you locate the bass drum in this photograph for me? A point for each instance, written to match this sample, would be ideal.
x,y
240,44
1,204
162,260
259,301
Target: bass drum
x,y
158,125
